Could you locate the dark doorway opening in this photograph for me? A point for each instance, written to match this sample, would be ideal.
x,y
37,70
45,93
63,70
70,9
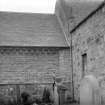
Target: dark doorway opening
x,y
84,64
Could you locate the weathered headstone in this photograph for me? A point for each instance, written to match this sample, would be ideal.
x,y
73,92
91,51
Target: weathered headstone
x,y
101,80
58,81
90,91
56,96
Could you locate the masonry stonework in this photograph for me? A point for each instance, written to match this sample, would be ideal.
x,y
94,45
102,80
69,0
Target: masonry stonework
x,y
33,65
33,68
89,39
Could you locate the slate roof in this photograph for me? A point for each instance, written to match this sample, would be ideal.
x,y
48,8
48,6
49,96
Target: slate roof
x,y
80,8
30,29
83,9
89,16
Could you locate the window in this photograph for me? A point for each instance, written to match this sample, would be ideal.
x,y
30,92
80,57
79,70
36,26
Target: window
x,y
84,64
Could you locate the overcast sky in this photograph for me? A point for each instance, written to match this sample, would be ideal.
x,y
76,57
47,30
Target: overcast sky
x,y
37,6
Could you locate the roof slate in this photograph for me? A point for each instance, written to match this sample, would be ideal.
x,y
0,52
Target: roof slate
x,y
30,29
89,16
77,10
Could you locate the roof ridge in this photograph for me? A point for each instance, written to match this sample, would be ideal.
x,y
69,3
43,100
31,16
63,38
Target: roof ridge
x,y
87,17
14,12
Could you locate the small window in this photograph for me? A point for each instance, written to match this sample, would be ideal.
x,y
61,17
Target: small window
x,y
84,64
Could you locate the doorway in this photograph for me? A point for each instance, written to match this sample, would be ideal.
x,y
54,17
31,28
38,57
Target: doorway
x,y
84,64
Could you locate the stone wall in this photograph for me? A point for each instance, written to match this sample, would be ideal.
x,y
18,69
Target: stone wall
x,y
65,69
64,64
27,65
30,65
89,39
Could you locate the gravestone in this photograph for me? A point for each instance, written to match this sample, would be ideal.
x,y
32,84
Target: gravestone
x,y
90,91
101,80
58,81
56,96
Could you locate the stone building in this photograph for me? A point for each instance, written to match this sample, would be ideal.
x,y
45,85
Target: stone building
x,y
33,49
84,26
88,48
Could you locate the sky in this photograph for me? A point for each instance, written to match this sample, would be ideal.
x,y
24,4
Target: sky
x,y
34,6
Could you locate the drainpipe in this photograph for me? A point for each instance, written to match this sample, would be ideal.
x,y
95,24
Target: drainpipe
x,y
71,56
72,68
71,20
